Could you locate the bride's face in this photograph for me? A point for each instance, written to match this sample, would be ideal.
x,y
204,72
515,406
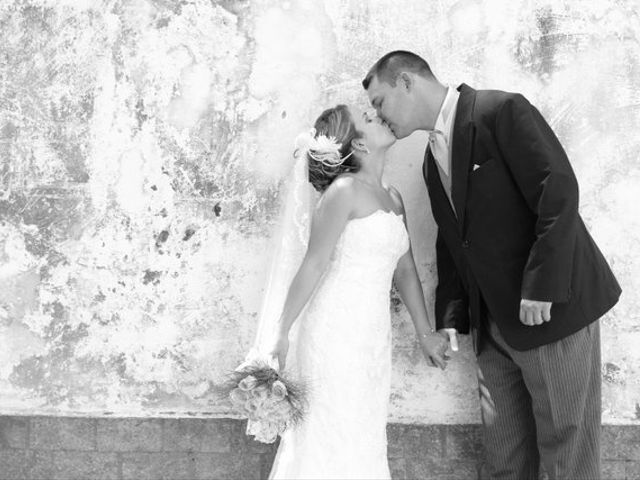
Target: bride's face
x,y
376,134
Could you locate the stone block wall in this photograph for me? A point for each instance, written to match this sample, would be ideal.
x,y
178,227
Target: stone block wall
x,y
68,448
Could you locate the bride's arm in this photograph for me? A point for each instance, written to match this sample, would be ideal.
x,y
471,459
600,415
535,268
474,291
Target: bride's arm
x,y
329,219
408,284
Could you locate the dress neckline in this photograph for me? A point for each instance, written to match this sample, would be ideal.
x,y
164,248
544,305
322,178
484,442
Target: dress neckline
x,y
376,212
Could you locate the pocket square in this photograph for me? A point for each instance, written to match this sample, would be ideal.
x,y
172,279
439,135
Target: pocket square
x,y
475,167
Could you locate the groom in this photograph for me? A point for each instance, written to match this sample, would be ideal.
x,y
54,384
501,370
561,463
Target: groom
x,y
516,265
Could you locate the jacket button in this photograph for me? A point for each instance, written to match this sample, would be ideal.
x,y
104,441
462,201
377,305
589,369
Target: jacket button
x,y
465,244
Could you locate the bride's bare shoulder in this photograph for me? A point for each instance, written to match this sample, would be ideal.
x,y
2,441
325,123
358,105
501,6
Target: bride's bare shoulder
x,y
343,182
339,196
343,186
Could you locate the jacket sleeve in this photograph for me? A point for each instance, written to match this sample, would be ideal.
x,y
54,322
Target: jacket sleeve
x,y
452,302
541,169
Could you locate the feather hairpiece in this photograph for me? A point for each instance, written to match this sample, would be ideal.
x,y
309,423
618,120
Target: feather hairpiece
x,y
321,148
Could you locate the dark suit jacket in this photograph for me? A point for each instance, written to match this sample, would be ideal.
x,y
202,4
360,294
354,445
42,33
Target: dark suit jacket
x,y
518,233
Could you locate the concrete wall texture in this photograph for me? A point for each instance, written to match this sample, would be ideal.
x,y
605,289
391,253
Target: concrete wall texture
x,y
142,145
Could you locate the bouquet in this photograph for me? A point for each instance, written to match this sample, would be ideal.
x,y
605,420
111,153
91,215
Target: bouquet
x,y
271,402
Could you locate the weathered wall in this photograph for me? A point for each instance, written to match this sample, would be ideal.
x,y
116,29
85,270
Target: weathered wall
x,y
141,147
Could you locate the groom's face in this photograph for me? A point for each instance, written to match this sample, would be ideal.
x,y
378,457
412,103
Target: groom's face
x,y
392,105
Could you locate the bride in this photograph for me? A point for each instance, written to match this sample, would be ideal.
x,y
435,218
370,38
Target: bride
x,y
341,343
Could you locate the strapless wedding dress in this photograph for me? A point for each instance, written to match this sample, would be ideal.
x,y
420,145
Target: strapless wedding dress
x,y
341,345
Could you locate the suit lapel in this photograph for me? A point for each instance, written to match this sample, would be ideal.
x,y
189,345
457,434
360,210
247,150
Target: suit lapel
x,y
461,150
439,199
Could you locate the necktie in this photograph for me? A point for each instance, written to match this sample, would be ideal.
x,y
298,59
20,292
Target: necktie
x,y
438,145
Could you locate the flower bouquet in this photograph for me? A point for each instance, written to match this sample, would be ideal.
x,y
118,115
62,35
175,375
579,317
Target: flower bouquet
x,y
271,402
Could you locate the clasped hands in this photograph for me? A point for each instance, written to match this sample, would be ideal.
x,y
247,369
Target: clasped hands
x,y
434,346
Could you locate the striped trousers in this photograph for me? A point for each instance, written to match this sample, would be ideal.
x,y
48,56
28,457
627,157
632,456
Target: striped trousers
x,y
541,406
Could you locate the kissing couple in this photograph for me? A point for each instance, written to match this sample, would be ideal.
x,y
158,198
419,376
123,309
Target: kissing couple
x,y
517,270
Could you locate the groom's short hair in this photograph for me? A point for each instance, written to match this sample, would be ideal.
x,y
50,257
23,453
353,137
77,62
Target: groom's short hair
x,y
393,63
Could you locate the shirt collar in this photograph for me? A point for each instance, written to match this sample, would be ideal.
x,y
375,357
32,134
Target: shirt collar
x,y
443,121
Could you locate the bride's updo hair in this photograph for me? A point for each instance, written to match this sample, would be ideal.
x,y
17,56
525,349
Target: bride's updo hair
x,y
334,122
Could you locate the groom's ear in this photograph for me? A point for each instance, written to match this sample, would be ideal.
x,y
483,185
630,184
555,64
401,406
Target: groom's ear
x,y
406,81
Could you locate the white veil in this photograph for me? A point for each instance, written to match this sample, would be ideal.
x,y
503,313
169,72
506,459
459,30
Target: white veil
x,y
289,247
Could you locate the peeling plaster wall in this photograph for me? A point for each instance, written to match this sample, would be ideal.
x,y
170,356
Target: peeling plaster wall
x,y
142,144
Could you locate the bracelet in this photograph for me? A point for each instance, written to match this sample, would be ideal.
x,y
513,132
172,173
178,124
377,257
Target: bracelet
x,y
431,331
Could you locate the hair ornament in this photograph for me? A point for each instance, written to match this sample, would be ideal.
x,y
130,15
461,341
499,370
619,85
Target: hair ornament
x,y
321,148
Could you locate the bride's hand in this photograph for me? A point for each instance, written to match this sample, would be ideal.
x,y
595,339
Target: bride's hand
x,y
279,350
434,348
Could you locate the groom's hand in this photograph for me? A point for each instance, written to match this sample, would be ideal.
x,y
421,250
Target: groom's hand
x,y
533,312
